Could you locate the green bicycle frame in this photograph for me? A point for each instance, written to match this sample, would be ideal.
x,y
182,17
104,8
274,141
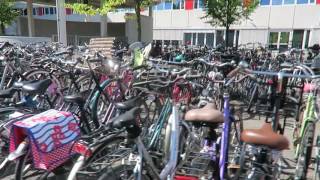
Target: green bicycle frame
x,y
309,116
164,115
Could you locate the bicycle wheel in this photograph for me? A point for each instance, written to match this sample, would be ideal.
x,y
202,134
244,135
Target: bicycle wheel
x,y
235,147
305,151
24,168
104,156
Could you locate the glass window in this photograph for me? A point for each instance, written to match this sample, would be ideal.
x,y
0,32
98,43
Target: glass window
x,y
187,38
284,37
265,2
201,39
175,43
160,6
288,1
284,41
168,4
311,1
34,11
219,37
273,40
306,45
231,38
194,39
201,3
276,2
47,11
210,39
302,1
166,42
195,4
297,39
176,4
51,10
182,4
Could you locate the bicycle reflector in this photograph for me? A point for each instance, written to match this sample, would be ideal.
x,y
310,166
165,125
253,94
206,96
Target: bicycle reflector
x,y
82,149
185,178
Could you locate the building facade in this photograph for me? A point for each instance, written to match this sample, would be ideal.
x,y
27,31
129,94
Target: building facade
x,y
278,24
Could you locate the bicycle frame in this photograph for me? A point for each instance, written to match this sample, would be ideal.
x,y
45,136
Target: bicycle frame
x,y
308,117
228,119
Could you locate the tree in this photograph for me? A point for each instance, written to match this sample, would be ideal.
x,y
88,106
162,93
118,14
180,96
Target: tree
x,y
108,5
7,14
227,12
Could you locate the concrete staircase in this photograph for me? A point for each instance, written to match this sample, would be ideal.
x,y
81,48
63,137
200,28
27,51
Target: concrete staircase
x,y
102,44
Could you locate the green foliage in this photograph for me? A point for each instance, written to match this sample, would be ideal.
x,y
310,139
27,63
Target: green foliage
x,y
227,12
92,8
7,13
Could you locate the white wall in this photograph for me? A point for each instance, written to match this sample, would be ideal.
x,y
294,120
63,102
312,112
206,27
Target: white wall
x,y
146,31
256,28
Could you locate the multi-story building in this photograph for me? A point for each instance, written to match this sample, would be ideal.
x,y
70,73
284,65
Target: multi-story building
x,y
279,24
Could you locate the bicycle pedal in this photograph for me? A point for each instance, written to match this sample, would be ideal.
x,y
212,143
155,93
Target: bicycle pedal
x,y
234,166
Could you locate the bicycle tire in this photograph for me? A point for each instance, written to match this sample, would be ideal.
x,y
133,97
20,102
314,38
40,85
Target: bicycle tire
x,y
305,152
98,157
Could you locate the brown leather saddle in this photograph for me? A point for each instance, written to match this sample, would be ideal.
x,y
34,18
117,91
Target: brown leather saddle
x,y
207,115
265,136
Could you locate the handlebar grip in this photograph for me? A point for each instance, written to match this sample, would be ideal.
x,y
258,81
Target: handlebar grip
x,y
233,72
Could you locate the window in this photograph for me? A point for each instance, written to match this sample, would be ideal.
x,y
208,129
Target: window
x,y
306,44
302,1
231,38
201,3
264,2
195,4
47,11
284,41
182,4
166,42
273,40
276,2
160,6
34,11
176,4
51,10
168,4
201,39
297,39
187,38
175,43
219,37
288,1
209,39
194,39
311,1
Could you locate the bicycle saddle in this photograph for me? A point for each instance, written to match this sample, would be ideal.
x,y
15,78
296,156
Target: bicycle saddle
x,y
7,93
78,99
129,104
207,114
129,121
38,87
265,136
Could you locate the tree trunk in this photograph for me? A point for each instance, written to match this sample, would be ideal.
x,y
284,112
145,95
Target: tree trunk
x,y
227,36
138,9
2,29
